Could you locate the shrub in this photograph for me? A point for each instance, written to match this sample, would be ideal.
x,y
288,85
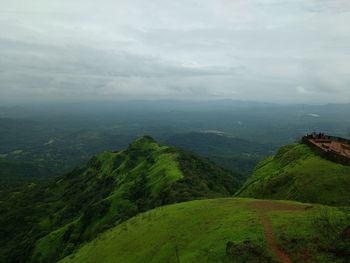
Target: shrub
x,y
335,231
246,252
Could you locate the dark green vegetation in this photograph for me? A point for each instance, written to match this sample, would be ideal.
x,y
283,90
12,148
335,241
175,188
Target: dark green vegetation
x,y
297,173
235,154
220,230
44,222
14,173
52,147
17,169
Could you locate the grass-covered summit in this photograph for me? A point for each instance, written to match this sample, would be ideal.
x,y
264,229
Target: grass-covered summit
x,y
44,223
297,173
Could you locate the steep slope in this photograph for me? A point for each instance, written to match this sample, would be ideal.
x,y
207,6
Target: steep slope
x,y
220,230
297,173
45,223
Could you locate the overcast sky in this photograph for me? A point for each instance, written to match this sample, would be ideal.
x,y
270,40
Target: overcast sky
x,y
264,50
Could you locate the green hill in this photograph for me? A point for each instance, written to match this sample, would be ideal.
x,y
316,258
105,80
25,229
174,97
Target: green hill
x,y
223,230
42,223
297,173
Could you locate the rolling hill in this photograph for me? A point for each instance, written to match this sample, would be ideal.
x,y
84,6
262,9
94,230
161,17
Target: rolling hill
x,y
222,230
98,211
297,173
44,222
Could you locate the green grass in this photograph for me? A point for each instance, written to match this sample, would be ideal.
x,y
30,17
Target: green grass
x,y
44,223
49,246
165,172
297,173
198,231
300,235
143,157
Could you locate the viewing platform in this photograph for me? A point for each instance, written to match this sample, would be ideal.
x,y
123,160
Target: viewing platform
x,y
330,147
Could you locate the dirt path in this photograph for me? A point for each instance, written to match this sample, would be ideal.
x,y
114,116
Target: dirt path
x,y
262,207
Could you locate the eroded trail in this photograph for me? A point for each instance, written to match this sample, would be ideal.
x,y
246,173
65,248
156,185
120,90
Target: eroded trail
x,y
262,207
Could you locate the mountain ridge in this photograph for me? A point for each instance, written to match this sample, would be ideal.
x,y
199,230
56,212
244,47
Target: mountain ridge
x,y
107,190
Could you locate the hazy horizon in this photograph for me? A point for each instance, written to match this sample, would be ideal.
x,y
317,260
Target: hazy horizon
x,y
163,102
260,50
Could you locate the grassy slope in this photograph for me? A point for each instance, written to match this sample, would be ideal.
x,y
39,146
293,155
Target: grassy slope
x,y
297,173
51,221
198,231
125,167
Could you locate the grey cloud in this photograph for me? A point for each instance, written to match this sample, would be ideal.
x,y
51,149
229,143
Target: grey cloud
x,y
330,6
292,50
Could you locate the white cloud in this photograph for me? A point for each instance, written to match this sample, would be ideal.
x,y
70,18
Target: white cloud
x,y
302,90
